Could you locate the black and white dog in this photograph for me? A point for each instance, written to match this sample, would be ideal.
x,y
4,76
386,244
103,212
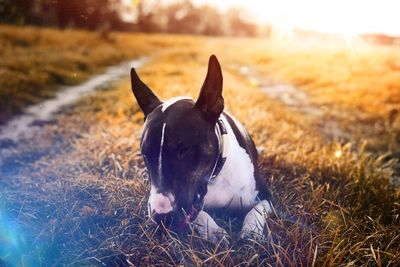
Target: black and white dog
x,y
199,158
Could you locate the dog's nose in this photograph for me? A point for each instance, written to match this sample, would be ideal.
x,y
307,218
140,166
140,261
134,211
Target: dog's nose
x,y
160,203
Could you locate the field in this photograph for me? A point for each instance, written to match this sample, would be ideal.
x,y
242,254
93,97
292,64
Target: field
x,y
76,194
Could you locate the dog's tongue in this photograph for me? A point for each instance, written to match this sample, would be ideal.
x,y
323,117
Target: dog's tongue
x,y
182,224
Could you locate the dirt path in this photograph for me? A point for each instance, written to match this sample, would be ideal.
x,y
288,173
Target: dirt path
x,y
25,126
296,100
17,136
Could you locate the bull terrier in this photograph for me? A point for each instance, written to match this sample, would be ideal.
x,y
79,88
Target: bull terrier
x,y
199,158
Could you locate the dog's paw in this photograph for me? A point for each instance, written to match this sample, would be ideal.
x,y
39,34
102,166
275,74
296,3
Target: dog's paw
x,y
206,227
254,234
219,236
253,228
255,221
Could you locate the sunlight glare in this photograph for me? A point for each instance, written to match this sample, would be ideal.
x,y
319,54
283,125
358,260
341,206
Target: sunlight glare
x,y
340,16
338,153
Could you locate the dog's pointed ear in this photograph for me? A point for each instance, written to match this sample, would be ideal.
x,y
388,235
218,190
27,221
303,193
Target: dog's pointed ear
x,y
146,99
210,101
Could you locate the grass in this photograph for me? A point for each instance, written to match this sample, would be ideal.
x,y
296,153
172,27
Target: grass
x,y
356,84
37,62
82,192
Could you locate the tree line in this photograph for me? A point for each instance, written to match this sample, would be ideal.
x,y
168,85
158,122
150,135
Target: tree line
x,y
145,16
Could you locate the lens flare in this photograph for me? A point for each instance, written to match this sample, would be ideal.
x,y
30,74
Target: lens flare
x,y
15,248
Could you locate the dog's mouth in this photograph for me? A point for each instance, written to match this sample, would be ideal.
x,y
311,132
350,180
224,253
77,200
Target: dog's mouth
x,y
188,218
177,221
180,221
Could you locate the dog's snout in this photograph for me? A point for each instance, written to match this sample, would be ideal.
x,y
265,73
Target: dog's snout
x,y
160,203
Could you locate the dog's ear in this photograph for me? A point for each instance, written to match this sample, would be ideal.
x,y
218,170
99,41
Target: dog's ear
x,y
146,99
210,101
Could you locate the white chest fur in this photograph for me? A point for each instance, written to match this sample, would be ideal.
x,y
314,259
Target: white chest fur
x,y
235,186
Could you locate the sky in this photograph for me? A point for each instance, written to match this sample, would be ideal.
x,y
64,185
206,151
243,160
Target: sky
x,y
332,16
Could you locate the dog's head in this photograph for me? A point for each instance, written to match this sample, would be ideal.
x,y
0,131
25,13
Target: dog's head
x,y
180,147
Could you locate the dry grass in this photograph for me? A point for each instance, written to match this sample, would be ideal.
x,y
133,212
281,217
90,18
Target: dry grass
x,y
351,82
83,198
36,62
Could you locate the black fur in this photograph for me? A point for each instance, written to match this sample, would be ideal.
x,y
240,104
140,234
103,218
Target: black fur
x,y
190,147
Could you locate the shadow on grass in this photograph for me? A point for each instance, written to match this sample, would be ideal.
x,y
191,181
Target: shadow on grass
x,y
101,219
104,222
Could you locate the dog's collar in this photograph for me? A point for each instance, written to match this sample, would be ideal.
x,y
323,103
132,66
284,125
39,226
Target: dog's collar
x,y
222,136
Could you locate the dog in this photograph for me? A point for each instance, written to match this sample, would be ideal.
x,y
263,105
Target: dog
x,y
200,158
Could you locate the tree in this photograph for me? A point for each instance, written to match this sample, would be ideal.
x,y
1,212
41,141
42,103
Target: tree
x,y
10,11
238,26
90,14
184,17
